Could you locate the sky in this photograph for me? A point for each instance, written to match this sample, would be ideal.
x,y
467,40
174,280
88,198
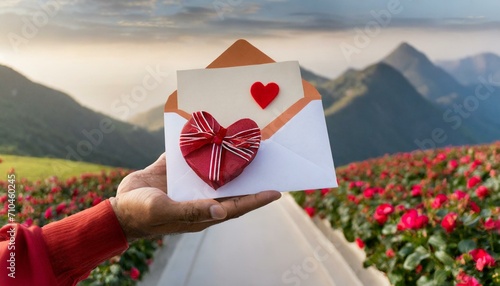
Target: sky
x,y
100,52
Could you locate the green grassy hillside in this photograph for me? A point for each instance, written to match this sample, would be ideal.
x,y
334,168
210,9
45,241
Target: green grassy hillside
x,y
34,169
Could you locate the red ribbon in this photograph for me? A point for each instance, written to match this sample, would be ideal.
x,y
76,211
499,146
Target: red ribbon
x,y
206,130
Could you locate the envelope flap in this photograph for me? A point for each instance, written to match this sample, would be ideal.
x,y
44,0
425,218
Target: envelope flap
x,y
242,53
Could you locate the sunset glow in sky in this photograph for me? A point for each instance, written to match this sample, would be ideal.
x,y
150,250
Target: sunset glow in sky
x,y
98,51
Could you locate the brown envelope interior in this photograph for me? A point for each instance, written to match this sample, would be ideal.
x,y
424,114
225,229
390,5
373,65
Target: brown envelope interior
x,y
242,53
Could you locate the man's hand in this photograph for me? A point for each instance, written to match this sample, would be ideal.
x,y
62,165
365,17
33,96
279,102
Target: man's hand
x,y
144,209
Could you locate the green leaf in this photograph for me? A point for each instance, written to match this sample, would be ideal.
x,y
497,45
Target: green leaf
x,y
394,278
425,281
414,259
440,276
486,213
444,257
470,220
466,245
438,241
405,250
389,229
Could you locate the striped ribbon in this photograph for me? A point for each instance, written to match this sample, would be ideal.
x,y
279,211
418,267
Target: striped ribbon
x,y
206,130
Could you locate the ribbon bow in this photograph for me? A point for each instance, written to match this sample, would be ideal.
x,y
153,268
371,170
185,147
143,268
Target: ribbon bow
x,y
241,138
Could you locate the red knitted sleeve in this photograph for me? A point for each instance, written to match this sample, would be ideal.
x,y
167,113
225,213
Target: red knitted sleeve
x,y
63,252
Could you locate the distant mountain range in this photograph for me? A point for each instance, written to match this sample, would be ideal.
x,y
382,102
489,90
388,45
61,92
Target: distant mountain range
x,y
460,105
472,70
39,121
403,103
377,111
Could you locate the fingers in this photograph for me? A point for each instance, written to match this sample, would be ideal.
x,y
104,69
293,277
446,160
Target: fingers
x,y
239,206
193,211
210,210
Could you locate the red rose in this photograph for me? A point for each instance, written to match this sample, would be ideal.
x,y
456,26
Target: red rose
x,y
48,213
60,207
28,222
380,218
419,268
96,201
385,209
412,220
474,207
453,164
482,192
416,190
489,224
421,221
390,253
466,280
324,191
134,273
458,195
369,193
310,211
309,192
482,258
439,201
472,182
465,160
449,222
360,242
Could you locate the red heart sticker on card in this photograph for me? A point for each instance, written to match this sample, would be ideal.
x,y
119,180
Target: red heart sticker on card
x,y
264,94
216,154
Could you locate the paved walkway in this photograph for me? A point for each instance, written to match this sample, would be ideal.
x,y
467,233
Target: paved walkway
x,y
276,245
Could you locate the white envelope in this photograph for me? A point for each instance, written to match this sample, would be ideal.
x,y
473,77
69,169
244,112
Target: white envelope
x,y
294,153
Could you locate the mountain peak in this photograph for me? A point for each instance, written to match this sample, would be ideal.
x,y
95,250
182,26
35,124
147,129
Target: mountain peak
x,y
405,55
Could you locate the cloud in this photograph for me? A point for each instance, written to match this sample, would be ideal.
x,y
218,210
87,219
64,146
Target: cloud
x,y
161,20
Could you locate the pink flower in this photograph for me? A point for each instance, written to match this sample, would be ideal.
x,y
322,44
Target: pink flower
x,y
96,201
309,192
482,258
382,212
48,213
439,201
466,280
458,195
474,207
360,242
390,253
369,193
324,191
472,182
385,209
412,220
28,222
449,222
482,192
310,211
453,164
416,190
489,224
60,208
134,273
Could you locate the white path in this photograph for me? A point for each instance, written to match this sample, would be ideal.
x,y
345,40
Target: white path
x,y
276,245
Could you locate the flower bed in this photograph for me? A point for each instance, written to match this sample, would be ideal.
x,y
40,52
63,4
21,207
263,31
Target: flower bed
x,y
41,202
423,218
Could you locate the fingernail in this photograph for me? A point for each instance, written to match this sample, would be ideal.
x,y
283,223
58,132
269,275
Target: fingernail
x,y
217,212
